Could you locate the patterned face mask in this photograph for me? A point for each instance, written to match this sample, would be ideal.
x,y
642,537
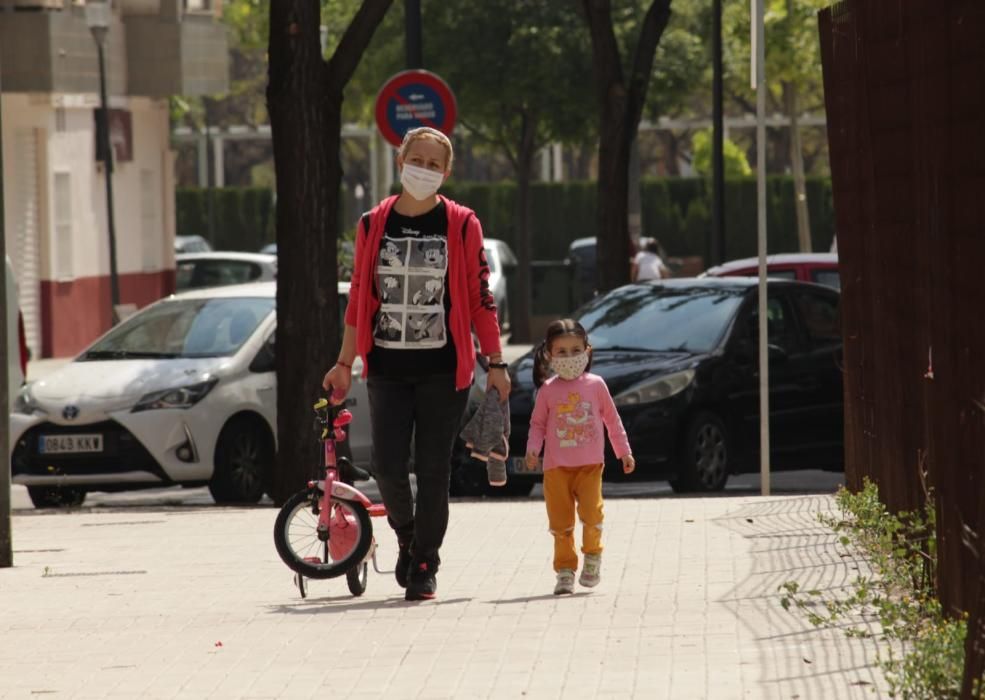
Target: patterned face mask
x,y
570,367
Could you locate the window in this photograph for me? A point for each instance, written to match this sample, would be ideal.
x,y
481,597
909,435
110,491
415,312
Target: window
x,y
780,330
62,260
215,273
184,276
829,278
185,328
819,313
678,319
150,225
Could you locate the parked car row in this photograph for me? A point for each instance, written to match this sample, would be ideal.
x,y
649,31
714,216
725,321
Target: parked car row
x,y
680,359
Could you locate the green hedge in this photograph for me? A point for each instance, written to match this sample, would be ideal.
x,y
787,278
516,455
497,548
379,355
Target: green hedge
x,y
675,210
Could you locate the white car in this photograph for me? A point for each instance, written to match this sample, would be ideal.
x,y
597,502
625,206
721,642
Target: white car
x,y
182,392
499,256
200,270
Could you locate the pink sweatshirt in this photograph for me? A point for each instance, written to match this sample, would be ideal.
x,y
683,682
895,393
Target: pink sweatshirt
x,y
568,416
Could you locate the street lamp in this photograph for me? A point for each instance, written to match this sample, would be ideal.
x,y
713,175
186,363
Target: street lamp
x,y
97,17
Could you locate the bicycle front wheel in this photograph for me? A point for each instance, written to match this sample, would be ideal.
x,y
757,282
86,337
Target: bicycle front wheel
x,y
312,554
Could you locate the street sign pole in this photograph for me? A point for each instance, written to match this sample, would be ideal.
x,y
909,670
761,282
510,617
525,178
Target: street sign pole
x,y
759,82
6,539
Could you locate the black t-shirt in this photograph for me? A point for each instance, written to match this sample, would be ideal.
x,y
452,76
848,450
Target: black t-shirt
x,y
410,331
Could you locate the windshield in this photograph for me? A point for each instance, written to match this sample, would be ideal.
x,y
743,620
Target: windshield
x,y
660,318
184,328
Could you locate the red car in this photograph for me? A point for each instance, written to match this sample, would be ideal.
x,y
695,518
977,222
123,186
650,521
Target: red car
x,y
820,268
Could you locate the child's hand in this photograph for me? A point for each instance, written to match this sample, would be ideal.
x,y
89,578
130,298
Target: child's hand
x,y
628,464
533,461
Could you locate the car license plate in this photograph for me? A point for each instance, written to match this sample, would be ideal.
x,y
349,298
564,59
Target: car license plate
x,y
70,444
518,465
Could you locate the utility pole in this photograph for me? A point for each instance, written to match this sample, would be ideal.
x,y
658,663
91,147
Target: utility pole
x,y
717,247
759,82
412,29
6,540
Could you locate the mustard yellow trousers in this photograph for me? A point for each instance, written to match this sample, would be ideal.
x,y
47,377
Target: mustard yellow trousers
x,y
568,490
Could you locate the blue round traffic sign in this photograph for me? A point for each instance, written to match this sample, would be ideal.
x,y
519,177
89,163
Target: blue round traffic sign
x,y
411,99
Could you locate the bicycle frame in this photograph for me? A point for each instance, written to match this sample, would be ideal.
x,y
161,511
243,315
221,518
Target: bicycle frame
x,y
331,486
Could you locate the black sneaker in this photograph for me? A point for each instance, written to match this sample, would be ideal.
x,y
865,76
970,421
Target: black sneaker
x,y
403,564
422,584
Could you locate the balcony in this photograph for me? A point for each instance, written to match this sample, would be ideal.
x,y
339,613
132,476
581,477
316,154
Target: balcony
x,y
155,49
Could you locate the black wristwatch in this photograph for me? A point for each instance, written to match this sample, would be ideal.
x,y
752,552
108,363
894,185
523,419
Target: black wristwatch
x,y
498,365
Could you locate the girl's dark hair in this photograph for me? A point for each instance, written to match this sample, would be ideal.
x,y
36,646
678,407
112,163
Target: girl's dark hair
x,y
542,353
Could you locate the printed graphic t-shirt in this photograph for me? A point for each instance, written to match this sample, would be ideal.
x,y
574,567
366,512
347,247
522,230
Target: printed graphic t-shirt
x,y
410,332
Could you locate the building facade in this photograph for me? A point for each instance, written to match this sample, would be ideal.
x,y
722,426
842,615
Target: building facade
x,y
55,190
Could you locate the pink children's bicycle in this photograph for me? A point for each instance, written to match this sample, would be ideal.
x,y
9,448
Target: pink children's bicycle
x,y
325,530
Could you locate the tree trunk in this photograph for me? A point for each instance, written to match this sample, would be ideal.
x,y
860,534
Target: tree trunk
x,y
797,169
621,103
521,306
612,241
304,100
305,125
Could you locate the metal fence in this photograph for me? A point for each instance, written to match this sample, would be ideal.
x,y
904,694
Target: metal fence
x,y
904,85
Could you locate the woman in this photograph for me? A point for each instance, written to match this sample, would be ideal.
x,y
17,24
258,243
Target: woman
x,y
419,357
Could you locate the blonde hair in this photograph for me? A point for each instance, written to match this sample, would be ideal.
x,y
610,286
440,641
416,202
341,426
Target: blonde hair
x,y
426,132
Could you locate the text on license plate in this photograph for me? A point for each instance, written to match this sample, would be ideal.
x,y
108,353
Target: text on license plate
x,y
518,465
67,444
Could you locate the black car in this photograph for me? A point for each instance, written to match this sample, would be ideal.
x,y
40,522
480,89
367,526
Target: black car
x,y
680,358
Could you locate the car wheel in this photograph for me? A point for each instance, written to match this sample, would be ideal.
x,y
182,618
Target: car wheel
x,y
244,457
468,476
56,496
704,461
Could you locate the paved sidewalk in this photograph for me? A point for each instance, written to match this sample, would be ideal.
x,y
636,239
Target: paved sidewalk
x,y
193,602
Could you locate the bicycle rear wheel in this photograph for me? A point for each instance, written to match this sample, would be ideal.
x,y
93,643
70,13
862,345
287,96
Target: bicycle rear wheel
x,y
301,547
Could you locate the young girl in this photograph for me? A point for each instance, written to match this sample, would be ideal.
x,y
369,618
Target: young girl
x,y
568,416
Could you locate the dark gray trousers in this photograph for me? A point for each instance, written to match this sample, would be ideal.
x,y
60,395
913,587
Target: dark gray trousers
x,y
428,410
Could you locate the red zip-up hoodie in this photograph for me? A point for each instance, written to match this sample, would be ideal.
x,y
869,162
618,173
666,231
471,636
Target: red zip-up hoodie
x,y
472,304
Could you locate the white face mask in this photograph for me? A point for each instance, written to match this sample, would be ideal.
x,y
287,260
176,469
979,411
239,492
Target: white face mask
x,y
420,183
570,367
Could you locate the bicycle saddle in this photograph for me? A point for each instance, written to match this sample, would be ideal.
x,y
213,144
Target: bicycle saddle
x,y
350,473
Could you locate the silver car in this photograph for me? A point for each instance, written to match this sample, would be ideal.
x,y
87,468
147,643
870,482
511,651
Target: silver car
x,y
500,257
201,270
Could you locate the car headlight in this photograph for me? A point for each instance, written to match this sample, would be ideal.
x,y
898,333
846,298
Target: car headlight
x,y
657,389
182,397
25,403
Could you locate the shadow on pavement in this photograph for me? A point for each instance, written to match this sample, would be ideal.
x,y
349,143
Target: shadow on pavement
x,y
344,604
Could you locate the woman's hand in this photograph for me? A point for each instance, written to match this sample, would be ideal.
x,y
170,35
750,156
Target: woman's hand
x,y
337,381
533,461
500,379
628,464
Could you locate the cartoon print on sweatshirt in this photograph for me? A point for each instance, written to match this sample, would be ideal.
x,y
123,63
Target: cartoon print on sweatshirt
x,y
389,327
575,425
410,281
391,289
426,291
393,253
429,254
425,327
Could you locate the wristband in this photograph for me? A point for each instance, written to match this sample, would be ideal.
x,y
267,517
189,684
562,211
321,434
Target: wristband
x,y
340,363
498,365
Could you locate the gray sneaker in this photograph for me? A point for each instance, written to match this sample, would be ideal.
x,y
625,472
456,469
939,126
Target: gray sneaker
x,y
590,576
565,582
